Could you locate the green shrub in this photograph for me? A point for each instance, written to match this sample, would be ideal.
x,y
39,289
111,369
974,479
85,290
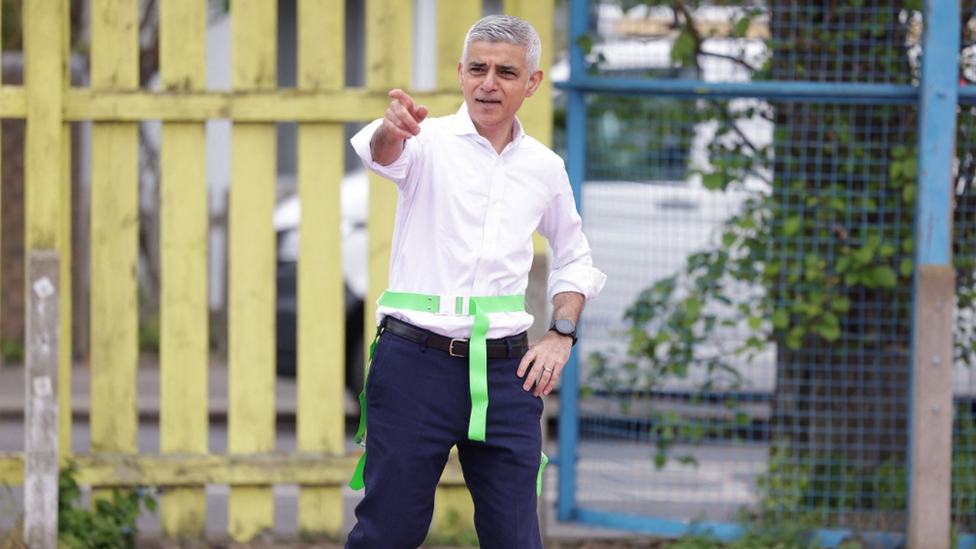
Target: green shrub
x,y
110,524
12,351
149,335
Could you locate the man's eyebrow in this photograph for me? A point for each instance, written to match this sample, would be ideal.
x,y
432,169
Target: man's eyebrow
x,y
482,64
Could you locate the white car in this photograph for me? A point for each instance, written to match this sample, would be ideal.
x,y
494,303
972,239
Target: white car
x,y
354,206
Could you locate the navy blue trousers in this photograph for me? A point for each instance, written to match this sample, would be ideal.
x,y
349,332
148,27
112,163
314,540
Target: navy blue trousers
x,y
418,402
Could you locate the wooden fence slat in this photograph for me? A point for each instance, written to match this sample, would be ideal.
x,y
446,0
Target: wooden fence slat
x,y
389,56
251,421
13,101
65,421
536,114
190,470
453,507
184,345
43,132
114,235
1,161
351,105
321,322
453,20
389,47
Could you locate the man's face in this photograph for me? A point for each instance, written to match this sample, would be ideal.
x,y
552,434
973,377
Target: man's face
x,y
495,81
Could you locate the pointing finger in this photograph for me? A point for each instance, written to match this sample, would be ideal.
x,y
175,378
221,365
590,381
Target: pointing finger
x,y
417,112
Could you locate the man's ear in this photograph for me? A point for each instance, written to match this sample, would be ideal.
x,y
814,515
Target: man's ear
x,y
460,73
533,84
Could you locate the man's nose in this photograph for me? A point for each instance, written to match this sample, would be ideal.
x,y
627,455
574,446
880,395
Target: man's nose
x,y
488,83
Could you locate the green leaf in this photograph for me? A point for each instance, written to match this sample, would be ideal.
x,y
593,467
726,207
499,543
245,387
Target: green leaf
x,y
792,226
755,322
693,308
728,239
843,264
886,250
794,338
908,245
894,170
746,223
909,168
781,319
684,48
864,255
908,194
884,276
742,26
829,327
714,181
742,419
585,42
841,304
906,267
869,204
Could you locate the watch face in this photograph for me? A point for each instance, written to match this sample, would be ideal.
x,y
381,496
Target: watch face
x,y
565,326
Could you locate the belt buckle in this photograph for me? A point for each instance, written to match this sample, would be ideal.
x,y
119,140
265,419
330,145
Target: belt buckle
x,y
450,346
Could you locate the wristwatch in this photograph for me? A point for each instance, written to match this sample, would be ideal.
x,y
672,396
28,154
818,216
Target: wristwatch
x,y
564,326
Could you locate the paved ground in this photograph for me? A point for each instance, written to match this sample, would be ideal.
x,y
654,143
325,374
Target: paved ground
x,y
286,496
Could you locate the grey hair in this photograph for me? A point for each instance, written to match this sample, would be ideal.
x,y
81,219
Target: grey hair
x,y
509,29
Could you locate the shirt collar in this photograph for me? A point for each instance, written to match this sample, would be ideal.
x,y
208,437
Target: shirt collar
x,y
463,125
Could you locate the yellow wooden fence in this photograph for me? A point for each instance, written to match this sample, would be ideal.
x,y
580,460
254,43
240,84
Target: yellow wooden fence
x,y
320,103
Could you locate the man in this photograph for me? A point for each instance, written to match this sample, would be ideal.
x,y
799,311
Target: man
x,y
452,365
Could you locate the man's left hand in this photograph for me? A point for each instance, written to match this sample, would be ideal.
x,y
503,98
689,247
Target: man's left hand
x,y
544,362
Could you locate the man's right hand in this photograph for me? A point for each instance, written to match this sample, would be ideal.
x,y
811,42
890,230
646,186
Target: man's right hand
x,y
401,122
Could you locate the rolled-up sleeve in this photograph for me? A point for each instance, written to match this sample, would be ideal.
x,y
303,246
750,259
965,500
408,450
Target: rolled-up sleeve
x,y
572,262
395,171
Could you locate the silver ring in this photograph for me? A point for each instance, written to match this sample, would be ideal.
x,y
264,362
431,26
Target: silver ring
x,y
546,369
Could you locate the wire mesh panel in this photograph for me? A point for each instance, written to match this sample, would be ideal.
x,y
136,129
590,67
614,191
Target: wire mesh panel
x,y
841,230
751,351
866,41
964,261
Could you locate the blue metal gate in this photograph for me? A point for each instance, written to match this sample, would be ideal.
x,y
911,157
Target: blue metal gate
x,y
750,175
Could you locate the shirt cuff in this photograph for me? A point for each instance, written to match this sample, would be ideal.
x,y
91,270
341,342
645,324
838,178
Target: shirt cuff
x,y
395,171
582,279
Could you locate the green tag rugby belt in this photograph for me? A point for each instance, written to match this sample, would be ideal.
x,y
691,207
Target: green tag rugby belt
x,y
479,307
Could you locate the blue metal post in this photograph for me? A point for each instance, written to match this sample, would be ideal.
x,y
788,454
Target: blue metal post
x,y
930,435
937,131
576,167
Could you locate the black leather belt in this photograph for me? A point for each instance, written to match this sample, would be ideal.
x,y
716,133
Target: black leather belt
x,y
509,347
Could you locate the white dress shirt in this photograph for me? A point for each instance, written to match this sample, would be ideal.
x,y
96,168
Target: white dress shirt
x,y
465,218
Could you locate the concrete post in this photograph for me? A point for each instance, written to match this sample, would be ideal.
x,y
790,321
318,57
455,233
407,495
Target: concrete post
x,y
41,386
